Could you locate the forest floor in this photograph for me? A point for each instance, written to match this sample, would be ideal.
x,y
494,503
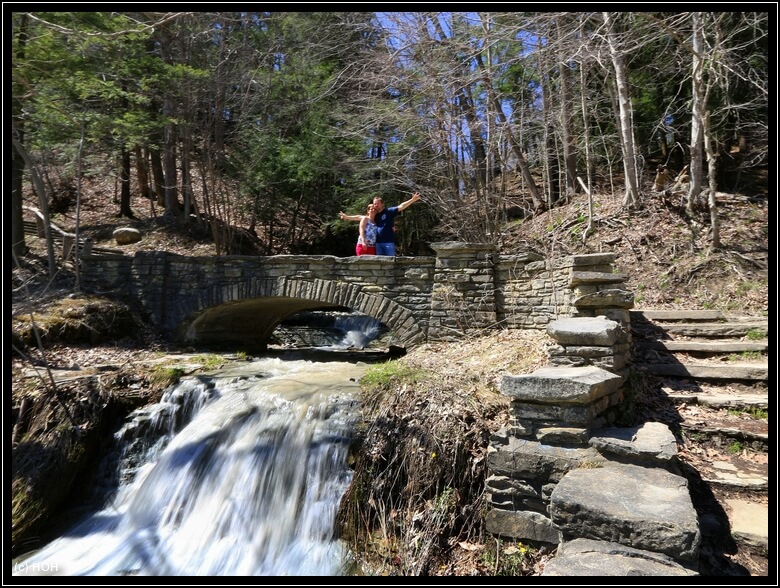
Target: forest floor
x,y
665,255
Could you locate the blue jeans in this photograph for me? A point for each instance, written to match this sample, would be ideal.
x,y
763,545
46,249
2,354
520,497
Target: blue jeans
x,y
385,249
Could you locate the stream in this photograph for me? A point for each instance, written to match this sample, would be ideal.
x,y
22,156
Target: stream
x,y
235,472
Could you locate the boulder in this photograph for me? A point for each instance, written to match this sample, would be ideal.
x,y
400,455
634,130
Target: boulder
x,y
126,235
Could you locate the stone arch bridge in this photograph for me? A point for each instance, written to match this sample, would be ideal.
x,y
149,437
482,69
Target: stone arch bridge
x,y
464,289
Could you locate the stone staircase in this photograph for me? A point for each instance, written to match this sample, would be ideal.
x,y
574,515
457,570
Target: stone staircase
x,y
711,372
628,500
700,345
64,242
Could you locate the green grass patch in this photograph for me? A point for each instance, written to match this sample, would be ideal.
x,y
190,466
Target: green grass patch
x,y
756,334
746,356
210,361
391,372
753,411
736,447
696,437
747,286
164,376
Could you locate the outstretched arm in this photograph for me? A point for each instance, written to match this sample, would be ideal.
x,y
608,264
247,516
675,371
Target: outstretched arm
x,y
352,217
404,205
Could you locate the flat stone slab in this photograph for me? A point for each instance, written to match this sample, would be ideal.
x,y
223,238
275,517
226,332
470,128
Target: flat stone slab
x,y
604,298
749,523
585,331
524,525
578,278
561,385
653,442
714,400
678,315
592,259
643,508
714,329
706,346
531,460
727,474
729,371
586,557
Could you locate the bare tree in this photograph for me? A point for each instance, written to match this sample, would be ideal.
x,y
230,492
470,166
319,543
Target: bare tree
x,y
18,246
566,116
625,115
698,109
43,203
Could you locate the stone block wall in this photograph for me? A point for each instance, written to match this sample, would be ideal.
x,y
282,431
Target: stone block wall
x,y
533,291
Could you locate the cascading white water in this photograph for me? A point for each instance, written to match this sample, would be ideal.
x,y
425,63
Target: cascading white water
x,y
250,486
331,330
359,331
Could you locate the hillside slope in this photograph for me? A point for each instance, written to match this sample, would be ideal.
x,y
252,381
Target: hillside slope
x,y
665,255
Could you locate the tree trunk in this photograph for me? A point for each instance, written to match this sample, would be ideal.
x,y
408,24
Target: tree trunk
x,y
142,172
169,162
186,177
466,105
586,140
18,245
170,136
550,161
712,161
698,102
625,117
43,203
124,180
567,135
516,148
158,175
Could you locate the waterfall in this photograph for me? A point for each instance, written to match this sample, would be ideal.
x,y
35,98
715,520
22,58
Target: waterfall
x,y
358,331
329,330
242,474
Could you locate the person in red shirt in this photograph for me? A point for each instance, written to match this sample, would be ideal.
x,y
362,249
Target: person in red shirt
x,y
366,244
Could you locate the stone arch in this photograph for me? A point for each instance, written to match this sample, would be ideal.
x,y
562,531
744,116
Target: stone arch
x,y
249,314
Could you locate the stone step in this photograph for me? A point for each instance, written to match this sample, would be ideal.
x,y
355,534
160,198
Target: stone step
x,y
642,508
738,477
730,372
744,401
748,399
579,278
710,330
704,346
650,444
676,315
749,521
756,441
588,557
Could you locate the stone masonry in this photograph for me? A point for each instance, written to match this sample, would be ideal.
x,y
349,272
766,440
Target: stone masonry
x,y
562,473
465,289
